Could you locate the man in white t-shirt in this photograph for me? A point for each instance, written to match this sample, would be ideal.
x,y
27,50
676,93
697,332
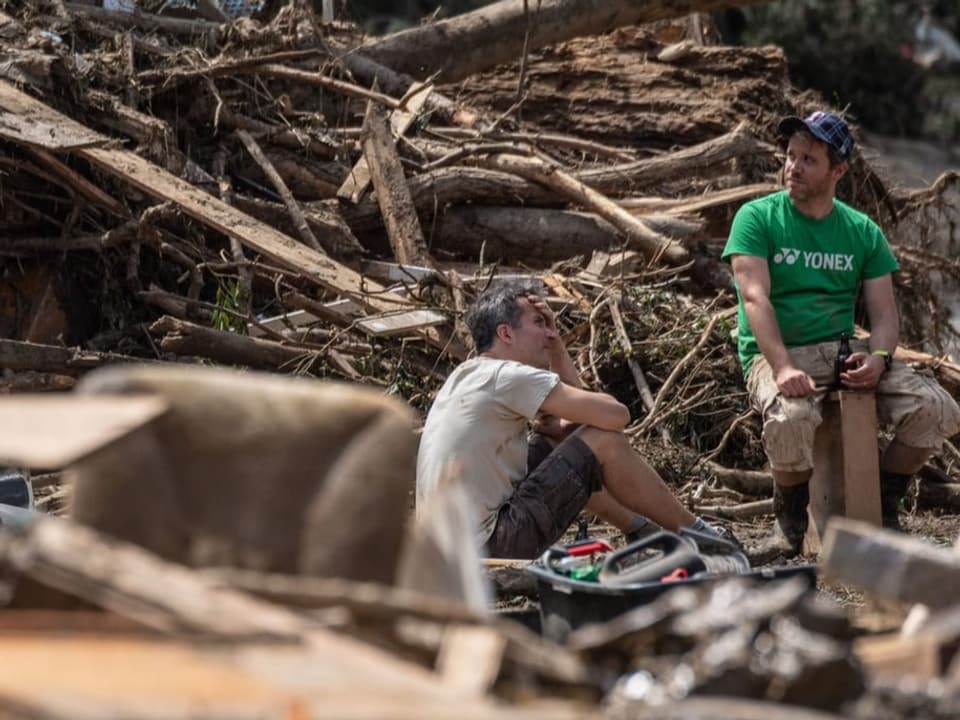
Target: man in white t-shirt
x,y
525,496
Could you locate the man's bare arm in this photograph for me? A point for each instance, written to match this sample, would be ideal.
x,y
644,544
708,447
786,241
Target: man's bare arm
x,y
753,279
586,408
884,333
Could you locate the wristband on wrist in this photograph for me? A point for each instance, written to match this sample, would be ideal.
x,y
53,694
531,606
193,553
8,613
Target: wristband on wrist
x,y
887,358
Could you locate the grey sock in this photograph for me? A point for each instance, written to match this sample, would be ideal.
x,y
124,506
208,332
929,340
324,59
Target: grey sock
x,y
700,526
640,528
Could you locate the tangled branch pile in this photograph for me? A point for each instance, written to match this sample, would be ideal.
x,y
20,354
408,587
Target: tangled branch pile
x,y
267,194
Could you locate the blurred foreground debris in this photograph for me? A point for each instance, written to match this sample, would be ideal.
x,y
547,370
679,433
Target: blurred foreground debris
x,y
275,193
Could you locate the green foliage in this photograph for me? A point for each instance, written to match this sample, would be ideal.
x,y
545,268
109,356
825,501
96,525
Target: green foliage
x,y
227,314
852,52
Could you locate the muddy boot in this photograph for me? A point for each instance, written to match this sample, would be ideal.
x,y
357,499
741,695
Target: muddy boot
x,y
893,486
790,508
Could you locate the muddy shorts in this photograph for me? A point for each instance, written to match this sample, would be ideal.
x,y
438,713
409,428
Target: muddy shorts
x,y
910,402
559,482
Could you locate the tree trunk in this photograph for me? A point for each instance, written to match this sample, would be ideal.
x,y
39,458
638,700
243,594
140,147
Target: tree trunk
x,y
481,39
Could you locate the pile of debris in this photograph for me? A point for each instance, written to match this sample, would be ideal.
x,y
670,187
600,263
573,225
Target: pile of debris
x,y
277,193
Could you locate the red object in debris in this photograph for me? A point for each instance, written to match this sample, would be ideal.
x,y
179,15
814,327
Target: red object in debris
x,y
678,574
588,547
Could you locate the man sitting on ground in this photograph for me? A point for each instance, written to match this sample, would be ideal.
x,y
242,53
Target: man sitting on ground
x,y
527,493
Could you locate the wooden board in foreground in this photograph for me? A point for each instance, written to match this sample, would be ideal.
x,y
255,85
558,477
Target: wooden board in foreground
x,y
44,431
889,564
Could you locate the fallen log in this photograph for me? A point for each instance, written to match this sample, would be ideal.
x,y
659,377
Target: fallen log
x,y
145,21
654,245
17,355
535,236
502,32
36,382
186,338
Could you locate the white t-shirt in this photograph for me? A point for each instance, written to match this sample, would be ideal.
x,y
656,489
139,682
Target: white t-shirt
x,y
477,429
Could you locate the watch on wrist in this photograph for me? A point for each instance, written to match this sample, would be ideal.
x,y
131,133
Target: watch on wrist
x,y
887,358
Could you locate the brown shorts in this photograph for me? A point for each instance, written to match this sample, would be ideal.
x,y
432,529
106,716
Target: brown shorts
x,y
559,482
911,402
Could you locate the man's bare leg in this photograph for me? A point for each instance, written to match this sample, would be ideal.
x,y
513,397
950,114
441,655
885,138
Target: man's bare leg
x,y
603,505
903,459
632,483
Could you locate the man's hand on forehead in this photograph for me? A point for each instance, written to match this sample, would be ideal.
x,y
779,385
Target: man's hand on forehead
x,y
540,305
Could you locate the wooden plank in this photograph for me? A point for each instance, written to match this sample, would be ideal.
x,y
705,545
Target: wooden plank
x,y
401,119
395,272
126,677
50,431
26,120
401,323
278,323
890,565
470,657
893,656
393,196
861,463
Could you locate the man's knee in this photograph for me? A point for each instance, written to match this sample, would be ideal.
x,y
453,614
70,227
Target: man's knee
x,y
789,428
923,415
603,442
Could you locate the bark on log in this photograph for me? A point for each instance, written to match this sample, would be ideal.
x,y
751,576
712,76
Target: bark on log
x,y
535,236
654,245
393,196
398,84
481,39
185,338
145,21
35,382
16,355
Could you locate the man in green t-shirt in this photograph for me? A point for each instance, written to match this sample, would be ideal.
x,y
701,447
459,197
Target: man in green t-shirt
x,y
799,257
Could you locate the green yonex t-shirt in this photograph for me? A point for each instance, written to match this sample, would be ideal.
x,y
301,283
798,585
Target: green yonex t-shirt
x,y
816,267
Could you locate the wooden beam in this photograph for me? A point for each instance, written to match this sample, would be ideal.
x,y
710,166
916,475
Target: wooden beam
x,y
890,565
401,119
393,196
30,122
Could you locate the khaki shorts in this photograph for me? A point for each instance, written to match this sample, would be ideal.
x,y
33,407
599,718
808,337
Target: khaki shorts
x,y
558,484
910,402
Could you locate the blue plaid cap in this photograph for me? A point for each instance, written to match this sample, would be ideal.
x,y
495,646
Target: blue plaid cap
x,y
824,126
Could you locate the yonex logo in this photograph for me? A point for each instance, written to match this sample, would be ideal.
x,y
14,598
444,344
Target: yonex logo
x,y
815,260
787,255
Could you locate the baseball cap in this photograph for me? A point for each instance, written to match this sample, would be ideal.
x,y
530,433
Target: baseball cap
x,y
824,126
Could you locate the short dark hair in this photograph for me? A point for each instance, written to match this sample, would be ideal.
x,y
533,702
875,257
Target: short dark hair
x,y
497,306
